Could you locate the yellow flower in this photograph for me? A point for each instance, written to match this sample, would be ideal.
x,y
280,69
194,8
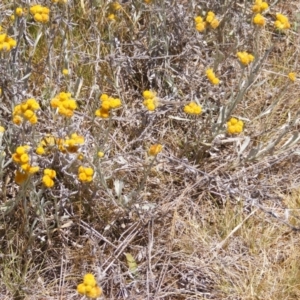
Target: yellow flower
x,y
200,26
151,104
116,6
89,279
259,6
103,113
115,103
28,114
17,120
292,76
150,100
215,81
6,42
214,23
192,109
235,126
282,22
33,119
111,17
95,292
20,177
85,174
198,19
48,181
24,158
264,6
259,20
104,97
32,104
26,110
149,94
89,287
32,170
100,154
65,72
72,145
155,149
40,13
81,288
51,173
212,77
245,58
2,129
19,11
40,150
107,104
210,17
65,104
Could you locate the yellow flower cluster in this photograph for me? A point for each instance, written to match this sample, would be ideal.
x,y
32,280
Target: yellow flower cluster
x,y
65,104
210,19
192,108
22,158
282,22
85,174
235,126
26,110
200,24
89,287
150,100
245,58
113,8
259,20
46,144
107,104
6,42
212,77
154,149
48,177
70,145
292,76
40,13
259,6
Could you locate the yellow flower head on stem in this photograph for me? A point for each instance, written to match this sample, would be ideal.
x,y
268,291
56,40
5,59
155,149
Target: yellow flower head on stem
x,y
192,109
212,77
235,126
154,149
245,58
292,76
282,22
259,20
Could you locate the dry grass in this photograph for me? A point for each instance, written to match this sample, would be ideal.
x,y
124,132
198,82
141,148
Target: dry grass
x,y
213,216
